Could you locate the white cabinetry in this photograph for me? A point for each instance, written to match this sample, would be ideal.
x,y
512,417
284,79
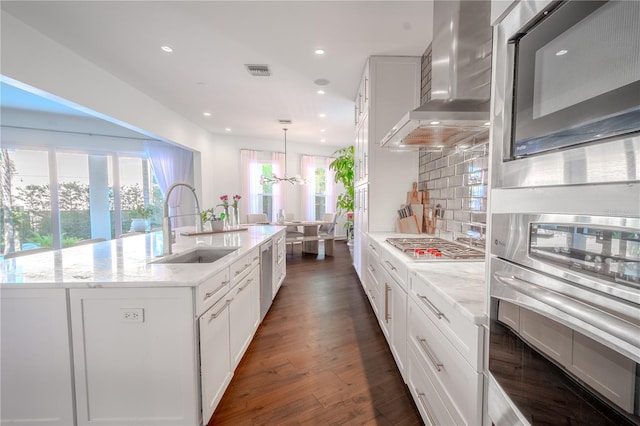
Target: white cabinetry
x,y
390,88
244,312
279,261
215,356
134,356
35,372
445,359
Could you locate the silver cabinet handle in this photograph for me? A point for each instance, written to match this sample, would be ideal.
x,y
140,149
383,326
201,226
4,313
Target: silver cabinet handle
x,y
211,293
393,268
371,268
246,265
431,306
217,314
245,286
372,247
387,289
421,396
423,343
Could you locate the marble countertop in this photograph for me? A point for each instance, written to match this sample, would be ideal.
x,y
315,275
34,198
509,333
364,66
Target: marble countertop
x,y
128,262
461,283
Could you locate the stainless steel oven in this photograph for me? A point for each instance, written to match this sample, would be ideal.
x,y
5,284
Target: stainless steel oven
x,y
566,95
564,341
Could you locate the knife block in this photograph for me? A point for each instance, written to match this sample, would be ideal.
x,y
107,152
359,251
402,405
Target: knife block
x,y
409,225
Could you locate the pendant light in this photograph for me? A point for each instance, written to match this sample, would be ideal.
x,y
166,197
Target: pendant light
x,y
274,179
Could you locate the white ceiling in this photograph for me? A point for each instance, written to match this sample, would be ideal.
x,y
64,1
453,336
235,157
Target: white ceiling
x,y
213,40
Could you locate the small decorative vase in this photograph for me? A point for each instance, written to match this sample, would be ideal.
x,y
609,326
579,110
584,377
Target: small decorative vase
x,y
138,225
217,225
227,219
236,217
280,216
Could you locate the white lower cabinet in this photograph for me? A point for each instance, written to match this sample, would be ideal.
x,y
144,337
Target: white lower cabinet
x,y
35,373
215,356
244,314
134,356
393,318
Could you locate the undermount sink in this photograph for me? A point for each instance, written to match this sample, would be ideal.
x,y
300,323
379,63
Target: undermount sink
x,y
201,255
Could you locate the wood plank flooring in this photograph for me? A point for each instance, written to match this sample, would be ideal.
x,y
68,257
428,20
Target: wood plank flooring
x,y
319,357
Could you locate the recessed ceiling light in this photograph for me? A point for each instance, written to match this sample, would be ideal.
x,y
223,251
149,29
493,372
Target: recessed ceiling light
x,y
166,48
562,52
227,129
323,130
322,115
488,123
320,92
433,123
320,51
206,114
323,140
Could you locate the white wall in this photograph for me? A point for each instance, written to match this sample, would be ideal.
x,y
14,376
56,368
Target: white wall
x,y
30,58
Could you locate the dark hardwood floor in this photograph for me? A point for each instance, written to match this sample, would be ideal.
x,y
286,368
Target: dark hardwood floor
x,y
319,357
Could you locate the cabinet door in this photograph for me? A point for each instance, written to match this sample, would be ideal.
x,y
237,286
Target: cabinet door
x,y
35,371
215,362
244,311
398,328
134,356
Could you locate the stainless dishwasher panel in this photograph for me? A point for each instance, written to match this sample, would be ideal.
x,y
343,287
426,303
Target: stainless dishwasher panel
x,y
266,276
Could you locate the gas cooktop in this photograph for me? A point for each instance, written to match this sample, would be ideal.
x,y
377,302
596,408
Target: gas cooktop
x,y
435,249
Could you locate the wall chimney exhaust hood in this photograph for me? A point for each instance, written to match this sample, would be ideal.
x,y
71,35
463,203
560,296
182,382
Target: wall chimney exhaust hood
x,y
458,105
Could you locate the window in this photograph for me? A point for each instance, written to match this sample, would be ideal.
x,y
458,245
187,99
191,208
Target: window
x,y
262,198
320,192
265,192
86,197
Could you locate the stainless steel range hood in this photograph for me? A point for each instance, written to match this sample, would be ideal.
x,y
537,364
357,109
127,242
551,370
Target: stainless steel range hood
x,y
458,105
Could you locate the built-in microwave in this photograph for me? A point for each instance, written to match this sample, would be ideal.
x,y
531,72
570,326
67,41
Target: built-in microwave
x,y
567,93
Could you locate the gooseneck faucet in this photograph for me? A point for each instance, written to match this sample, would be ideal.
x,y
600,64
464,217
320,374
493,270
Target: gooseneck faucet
x,y
166,220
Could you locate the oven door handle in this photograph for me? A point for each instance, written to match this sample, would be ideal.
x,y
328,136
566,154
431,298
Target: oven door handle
x,y
619,328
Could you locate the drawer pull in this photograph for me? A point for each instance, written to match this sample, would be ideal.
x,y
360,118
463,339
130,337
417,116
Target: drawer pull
x,y
372,247
371,268
421,396
423,342
245,286
211,293
217,314
393,268
431,306
387,289
246,265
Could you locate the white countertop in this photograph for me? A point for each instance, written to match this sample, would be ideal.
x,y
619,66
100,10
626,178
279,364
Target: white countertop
x,y
461,283
125,262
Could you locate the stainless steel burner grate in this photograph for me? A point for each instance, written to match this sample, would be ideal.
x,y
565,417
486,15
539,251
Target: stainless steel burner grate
x,y
431,248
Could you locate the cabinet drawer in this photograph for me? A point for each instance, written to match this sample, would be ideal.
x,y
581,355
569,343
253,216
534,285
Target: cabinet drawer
x,y
461,384
372,290
466,336
426,394
241,267
397,269
210,291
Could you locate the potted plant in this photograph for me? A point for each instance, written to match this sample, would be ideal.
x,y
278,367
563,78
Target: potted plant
x,y
209,215
140,218
343,168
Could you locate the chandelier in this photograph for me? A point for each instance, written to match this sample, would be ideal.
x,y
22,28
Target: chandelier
x,y
273,179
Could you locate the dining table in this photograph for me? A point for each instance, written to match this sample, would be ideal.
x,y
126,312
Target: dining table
x,y
309,236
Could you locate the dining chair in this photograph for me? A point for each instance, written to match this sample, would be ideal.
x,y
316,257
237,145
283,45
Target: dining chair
x,y
26,252
328,228
257,218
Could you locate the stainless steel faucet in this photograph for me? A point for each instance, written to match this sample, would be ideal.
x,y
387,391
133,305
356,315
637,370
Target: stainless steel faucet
x,y
166,220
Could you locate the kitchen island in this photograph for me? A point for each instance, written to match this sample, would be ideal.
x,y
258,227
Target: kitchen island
x,y
102,334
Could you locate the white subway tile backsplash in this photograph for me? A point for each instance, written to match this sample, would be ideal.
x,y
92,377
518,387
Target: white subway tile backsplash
x,y
457,180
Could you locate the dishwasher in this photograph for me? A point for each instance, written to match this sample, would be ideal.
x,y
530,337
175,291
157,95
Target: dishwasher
x,y
266,277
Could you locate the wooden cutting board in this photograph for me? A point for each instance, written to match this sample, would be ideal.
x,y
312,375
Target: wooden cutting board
x,y
409,225
418,211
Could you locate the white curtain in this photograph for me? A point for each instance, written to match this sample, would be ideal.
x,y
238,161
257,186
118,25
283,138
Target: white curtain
x,y
308,168
170,164
331,189
278,163
250,183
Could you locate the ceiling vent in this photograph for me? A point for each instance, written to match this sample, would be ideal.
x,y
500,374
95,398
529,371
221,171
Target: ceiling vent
x,y
258,70
284,121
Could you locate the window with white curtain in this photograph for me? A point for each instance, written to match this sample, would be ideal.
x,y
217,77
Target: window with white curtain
x,y
262,198
319,193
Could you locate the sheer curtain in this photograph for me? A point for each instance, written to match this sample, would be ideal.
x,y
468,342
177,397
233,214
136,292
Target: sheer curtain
x,y
308,167
170,164
250,183
278,160
331,190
